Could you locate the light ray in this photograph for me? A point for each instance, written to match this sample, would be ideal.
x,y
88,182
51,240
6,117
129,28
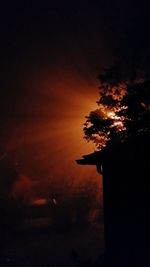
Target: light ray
x,y
49,139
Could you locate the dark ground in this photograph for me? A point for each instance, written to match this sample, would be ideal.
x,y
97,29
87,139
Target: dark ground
x,y
48,247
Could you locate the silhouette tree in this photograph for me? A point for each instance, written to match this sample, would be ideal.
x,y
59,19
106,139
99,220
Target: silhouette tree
x,y
124,104
123,108
120,129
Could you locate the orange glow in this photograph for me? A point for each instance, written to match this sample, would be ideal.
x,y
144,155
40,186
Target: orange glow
x,y
104,112
22,189
40,202
49,138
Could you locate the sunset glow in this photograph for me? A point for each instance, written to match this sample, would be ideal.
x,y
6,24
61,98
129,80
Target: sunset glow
x,y
49,141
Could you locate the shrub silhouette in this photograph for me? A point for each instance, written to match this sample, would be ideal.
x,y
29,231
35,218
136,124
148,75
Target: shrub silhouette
x,y
74,204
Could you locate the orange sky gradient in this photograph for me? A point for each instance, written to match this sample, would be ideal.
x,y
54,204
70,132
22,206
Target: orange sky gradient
x,y
47,136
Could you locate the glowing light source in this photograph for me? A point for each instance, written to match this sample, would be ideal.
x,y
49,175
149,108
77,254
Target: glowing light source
x,y
50,138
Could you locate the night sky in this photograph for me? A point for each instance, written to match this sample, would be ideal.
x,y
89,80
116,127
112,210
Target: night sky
x,y
51,56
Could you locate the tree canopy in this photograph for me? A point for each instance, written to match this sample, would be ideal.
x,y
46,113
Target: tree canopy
x,y
124,104
123,108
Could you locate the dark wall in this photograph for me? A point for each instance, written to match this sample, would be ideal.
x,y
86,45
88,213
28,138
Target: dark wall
x,y
126,186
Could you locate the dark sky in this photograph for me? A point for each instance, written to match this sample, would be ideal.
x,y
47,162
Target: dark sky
x,y
51,55
38,34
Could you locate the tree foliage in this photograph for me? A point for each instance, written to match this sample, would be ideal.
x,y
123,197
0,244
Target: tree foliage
x,y
123,107
124,104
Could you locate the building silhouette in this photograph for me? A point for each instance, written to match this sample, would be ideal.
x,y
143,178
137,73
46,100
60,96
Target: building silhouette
x,y
126,189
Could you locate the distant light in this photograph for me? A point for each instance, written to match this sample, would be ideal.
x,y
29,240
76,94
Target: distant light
x,y
54,201
40,202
